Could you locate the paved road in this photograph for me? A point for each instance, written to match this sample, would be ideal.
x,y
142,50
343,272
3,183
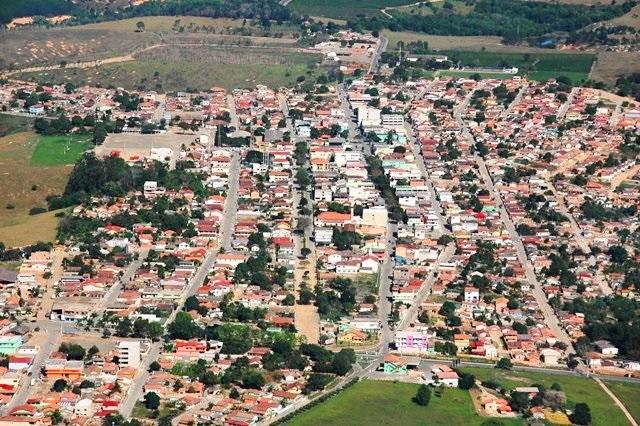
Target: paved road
x,y
230,210
52,331
49,294
112,295
375,61
550,317
567,104
231,104
412,313
515,101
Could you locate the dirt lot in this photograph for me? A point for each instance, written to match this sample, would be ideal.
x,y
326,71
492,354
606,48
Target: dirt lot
x,y
134,144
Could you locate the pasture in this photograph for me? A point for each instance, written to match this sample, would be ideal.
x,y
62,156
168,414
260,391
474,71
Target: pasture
x,y
24,186
371,402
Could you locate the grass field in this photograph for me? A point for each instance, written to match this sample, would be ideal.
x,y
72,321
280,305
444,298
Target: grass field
x,y
577,389
60,150
24,186
629,394
177,75
344,9
388,403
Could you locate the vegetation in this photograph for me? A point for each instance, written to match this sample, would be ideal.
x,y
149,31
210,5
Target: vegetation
x,y
343,9
18,8
576,388
514,21
629,85
384,402
60,150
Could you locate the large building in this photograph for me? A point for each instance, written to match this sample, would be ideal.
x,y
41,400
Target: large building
x,y
129,353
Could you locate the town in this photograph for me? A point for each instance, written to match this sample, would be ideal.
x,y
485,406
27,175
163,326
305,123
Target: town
x,y
229,256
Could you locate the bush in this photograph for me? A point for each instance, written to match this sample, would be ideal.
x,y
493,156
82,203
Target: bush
x,y
37,210
504,363
10,206
423,396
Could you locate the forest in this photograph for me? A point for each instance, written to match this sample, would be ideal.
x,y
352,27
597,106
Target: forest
x,y
513,20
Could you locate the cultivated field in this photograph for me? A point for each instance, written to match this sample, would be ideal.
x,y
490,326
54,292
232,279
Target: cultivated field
x,y
538,66
390,403
577,389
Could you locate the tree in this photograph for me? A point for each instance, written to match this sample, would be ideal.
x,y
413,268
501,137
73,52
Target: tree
x,y
151,400
139,26
467,381
581,414
154,366
59,385
519,401
342,361
184,327
56,417
504,363
423,396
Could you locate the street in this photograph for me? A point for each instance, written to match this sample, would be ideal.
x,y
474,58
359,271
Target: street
x,y
134,392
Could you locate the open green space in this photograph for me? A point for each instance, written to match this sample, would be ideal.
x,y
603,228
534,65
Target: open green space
x,y
390,403
629,394
60,150
344,9
577,389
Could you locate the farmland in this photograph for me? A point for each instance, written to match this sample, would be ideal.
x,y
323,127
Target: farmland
x,y
390,403
198,68
539,66
24,186
344,9
577,389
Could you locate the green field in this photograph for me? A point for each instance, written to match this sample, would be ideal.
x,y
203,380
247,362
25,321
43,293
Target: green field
x,y
539,66
629,394
577,389
60,150
344,9
390,403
